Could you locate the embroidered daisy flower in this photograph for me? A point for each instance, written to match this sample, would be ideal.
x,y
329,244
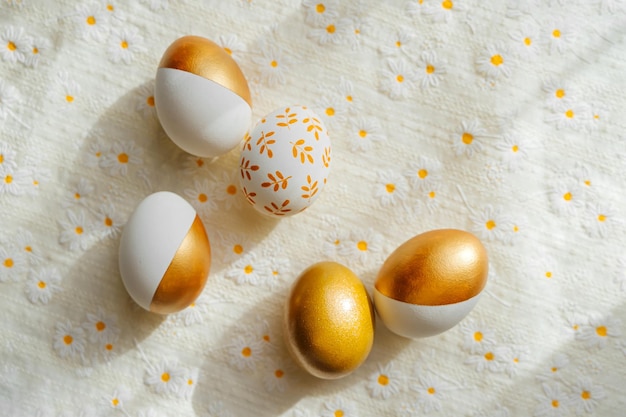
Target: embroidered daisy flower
x,y
561,35
195,165
599,330
13,180
486,358
552,402
165,377
107,349
280,271
332,110
345,89
490,223
398,78
190,380
514,149
363,245
9,96
79,193
121,155
7,154
320,12
101,326
468,138
566,197
557,91
568,114
597,116
511,358
42,284
443,11
74,232
69,89
396,44
245,352
554,367
545,267
273,63
231,44
356,26
226,190
431,197
574,323
432,391
391,189
385,382
414,7
424,173
582,175
234,245
200,196
91,21
365,132
334,241
586,395
108,220
249,269
14,45
38,49
194,313
69,340
13,263
334,32
112,9
117,399
24,240
476,335
495,62
124,43
600,219
277,375
526,41
339,406
145,100
430,69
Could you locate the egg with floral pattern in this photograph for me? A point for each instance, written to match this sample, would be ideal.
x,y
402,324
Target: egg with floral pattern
x,y
285,161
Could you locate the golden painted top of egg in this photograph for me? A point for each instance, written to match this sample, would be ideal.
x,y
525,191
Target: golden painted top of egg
x,y
329,321
439,267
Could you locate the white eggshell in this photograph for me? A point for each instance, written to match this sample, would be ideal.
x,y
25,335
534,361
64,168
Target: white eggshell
x,y
285,161
415,321
149,242
199,115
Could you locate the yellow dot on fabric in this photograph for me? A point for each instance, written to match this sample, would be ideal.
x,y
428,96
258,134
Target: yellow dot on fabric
x,y
431,390
228,51
601,331
337,242
362,245
489,356
555,403
596,116
108,222
100,326
8,179
330,28
67,339
150,101
478,336
567,196
108,346
362,133
1,158
515,148
8,262
432,194
430,69
41,284
190,382
330,111
339,413
447,4
199,162
383,380
124,45
569,114
202,198
28,248
490,224
556,33
398,44
248,269
497,60
231,189
548,274
575,327
69,98
516,228
266,337
122,158
11,46
587,183
246,352
349,98
273,64
527,41
165,377
78,230
279,373
601,217
238,249
467,138
422,173
554,369
91,20
35,50
110,7
585,395
559,93
115,402
390,188
77,196
320,8
400,78
516,360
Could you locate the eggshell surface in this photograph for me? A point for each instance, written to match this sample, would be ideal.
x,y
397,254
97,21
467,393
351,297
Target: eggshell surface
x,y
202,98
431,282
164,254
285,161
329,321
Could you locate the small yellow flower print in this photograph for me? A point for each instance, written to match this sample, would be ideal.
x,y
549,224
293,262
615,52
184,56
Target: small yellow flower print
x,y
277,181
299,149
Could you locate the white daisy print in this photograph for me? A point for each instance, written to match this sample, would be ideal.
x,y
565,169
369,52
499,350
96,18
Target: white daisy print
x,y
398,78
385,382
476,335
582,175
574,323
194,313
101,326
511,358
14,45
117,399
107,349
599,329
226,190
557,91
597,117
277,375
69,89
468,138
332,110
124,44
514,150
273,63
339,406
600,219
430,69
443,11
92,21
566,197
144,103
200,196
280,271
365,132
165,377
37,51
9,97
112,9
491,223
79,193
190,380
231,44
320,12
95,149
74,231
108,220
69,341
526,41
431,198
334,32
245,352
13,180
545,267
234,245
554,367
561,35
486,358
495,62
414,7
363,245
24,240
568,114
391,188
13,263
334,241
42,284
249,269
552,402
394,45
195,165
586,395
345,89
425,173
432,391
121,155
7,154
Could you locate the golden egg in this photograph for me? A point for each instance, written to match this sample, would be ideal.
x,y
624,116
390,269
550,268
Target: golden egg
x,y
329,321
431,282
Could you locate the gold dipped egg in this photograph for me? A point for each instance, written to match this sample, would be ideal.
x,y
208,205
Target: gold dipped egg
x,y
329,321
431,282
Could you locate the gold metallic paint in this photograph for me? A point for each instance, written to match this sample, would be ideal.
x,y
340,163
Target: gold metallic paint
x,y
438,267
206,59
187,274
329,321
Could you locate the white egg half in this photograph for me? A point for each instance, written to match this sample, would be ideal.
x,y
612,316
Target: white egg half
x,y
164,253
285,161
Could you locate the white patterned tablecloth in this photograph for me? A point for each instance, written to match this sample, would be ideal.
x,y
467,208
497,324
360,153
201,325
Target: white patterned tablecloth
x,y
504,118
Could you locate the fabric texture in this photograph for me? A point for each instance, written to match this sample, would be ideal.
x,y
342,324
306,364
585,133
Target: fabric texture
x,y
502,118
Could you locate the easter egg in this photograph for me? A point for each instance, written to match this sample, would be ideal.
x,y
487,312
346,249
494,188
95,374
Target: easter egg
x,y
285,161
201,97
164,254
329,321
431,282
